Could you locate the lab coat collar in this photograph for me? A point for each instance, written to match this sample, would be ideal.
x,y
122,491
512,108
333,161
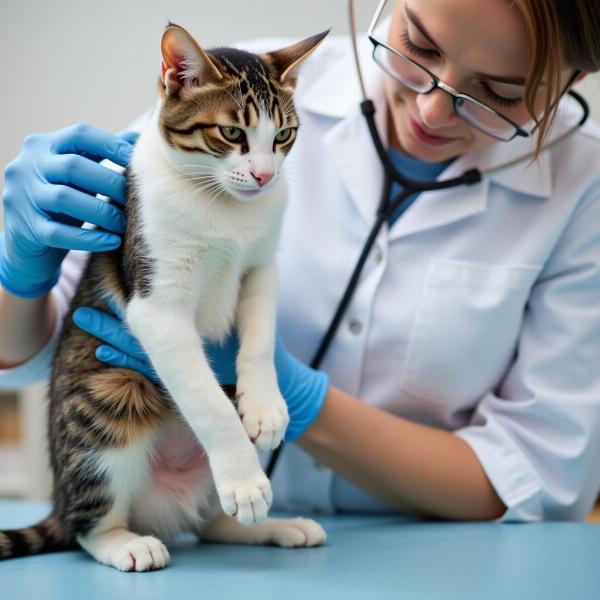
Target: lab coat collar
x,y
336,94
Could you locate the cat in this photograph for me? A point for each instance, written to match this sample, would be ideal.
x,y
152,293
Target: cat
x,y
134,462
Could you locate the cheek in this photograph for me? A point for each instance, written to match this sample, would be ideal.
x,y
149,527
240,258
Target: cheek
x,y
479,140
236,161
396,95
399,99
279,160
520,114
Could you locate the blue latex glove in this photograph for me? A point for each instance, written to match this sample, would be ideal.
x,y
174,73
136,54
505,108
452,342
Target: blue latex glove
x,y
303,388
49,192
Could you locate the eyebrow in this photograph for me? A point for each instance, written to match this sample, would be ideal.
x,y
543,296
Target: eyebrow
x,y
416,21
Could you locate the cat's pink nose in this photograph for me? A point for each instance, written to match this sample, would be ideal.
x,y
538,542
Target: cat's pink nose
x,y
262,177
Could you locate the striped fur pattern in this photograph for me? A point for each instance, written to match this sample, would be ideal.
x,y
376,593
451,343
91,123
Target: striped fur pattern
x,y
134,461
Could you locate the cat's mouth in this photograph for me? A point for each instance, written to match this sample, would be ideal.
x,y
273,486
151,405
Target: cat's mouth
x,y
248,193
245,195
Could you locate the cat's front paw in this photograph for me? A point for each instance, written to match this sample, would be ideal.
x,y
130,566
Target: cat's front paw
x,y
247,500
145,553
264,415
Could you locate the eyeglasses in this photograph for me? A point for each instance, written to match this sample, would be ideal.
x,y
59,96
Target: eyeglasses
x,y
417,78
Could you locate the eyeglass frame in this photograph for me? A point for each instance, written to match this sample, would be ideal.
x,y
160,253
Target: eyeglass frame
x,y
437,83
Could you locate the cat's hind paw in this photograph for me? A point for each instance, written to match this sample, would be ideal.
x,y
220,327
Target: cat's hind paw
x,y
296,533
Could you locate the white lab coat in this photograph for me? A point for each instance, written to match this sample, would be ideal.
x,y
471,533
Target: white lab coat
x,y
477,312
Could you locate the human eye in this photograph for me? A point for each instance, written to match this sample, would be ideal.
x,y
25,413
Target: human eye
x,y
428,53
490,94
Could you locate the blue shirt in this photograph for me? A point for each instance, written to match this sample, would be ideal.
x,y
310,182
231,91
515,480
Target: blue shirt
x,y
416,169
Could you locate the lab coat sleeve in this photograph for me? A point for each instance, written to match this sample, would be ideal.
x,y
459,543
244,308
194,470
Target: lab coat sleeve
x,y
537,435
38,367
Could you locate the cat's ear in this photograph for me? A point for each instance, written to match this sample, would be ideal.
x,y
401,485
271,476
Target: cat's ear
x,y
287,60
184,61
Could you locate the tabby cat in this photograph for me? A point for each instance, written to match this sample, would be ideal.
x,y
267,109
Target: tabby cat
x,y
133,460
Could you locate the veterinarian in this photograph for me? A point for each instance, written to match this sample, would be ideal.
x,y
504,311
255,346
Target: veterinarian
x,y
463,381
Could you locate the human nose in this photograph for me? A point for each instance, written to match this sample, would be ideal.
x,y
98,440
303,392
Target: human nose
x,y
436,109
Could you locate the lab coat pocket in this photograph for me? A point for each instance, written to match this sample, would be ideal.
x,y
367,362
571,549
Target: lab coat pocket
x,y
466,329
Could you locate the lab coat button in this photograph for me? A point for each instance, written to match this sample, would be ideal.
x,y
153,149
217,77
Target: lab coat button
x,y
317,465
355,325
378,256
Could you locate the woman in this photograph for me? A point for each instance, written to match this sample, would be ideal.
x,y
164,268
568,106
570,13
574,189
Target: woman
x,y
463,383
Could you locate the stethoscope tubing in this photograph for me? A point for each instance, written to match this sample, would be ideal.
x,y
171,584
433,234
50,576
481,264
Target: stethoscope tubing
x,y
388,206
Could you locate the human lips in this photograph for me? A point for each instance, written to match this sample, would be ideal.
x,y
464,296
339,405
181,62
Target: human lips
x,y
426,137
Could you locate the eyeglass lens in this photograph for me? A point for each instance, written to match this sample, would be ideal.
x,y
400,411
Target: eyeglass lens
x,y
418,80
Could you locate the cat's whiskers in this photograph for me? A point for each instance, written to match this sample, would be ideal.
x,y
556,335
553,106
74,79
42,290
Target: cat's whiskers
x,y
288,106
239,86
201,177
236,100
207,169
200,187
213,196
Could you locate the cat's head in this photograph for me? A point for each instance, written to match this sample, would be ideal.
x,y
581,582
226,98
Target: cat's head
x,y
227,116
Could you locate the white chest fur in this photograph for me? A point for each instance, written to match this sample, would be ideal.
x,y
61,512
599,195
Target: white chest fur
x,y
201,242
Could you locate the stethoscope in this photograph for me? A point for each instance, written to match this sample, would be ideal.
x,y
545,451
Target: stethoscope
x,y
388,206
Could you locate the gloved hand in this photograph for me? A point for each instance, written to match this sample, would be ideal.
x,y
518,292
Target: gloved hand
x,y
50,191
303,388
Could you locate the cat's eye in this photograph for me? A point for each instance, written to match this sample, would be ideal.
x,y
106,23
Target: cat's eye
x,y
232,134
284,135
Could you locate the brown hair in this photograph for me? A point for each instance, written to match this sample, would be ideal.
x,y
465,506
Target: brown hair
x,y
560,30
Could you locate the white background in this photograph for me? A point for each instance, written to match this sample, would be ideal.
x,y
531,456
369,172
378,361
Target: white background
x,y
97,61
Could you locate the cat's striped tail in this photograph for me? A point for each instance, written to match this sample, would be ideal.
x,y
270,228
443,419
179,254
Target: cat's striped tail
x,y
43,537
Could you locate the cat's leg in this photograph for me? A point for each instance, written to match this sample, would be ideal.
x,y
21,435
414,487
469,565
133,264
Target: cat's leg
x,y
110,542
287,533
260,405
169,336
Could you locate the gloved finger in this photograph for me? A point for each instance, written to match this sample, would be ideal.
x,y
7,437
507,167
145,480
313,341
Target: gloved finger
x,y
58,235
63,200
80,138
85,174
109,329
115,358
129,136
116,309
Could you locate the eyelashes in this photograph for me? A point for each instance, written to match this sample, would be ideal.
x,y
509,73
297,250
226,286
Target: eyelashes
x,y
501,100
417,50
430,54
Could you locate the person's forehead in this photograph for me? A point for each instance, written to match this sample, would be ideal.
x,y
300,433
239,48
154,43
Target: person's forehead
x,y
487,35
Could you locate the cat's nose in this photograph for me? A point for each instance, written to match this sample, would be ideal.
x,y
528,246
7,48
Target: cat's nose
x,y
262,177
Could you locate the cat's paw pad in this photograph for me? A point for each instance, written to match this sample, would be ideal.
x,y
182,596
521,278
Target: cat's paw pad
x,y
248,501
142,554
296,533
264,423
